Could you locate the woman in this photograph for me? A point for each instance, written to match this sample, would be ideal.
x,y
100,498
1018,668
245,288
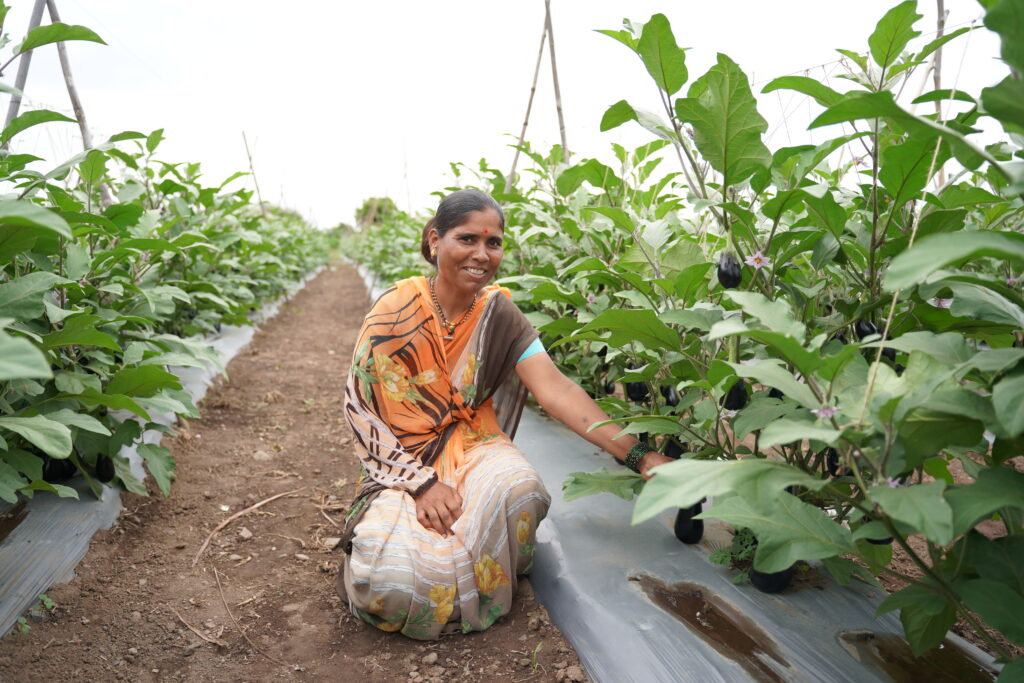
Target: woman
x,y
447,507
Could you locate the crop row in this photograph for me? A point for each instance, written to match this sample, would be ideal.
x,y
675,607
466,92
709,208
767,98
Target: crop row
x,y
829,335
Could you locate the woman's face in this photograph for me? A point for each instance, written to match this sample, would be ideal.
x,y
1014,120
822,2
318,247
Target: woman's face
x,y
468,255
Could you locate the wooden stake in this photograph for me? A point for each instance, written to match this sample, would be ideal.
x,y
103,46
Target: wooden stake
x,y
529,107
554,76
76,103
26,60
937,70
253,172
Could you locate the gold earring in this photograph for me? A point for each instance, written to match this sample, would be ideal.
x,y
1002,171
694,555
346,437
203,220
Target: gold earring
x,y
433,252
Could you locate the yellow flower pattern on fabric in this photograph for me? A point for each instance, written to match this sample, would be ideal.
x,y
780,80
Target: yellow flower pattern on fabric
x,y
395,380
444,596
470,370
389,626
490,575
523,527
393,377
376,606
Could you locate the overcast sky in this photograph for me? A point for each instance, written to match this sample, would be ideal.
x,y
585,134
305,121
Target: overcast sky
x,y
345,100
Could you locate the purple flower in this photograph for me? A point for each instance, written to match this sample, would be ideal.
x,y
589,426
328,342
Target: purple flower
x,y
825,412
1012,281
893,483
590,298
942,303
758,260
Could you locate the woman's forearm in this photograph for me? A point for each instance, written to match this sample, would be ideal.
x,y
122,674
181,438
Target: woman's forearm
x,y
571,405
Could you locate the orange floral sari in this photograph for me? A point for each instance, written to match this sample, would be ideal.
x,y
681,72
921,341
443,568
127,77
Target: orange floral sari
x,y
424,408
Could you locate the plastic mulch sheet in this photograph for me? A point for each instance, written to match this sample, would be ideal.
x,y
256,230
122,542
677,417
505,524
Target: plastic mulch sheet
x,y
53,534
601,580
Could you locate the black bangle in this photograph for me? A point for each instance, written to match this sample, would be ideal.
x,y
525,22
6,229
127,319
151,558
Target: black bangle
x,y
635,455
424,486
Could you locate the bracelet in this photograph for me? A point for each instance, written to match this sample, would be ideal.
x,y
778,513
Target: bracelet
x,y
635,455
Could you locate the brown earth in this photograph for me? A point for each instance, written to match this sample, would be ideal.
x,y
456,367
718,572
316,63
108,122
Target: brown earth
x,y
139,610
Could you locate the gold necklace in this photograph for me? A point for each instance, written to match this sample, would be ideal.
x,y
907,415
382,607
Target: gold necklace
x,y
449,326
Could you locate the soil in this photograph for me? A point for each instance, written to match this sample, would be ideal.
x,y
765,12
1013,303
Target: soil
x,y
138,609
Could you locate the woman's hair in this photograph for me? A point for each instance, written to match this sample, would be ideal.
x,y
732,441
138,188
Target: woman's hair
x,y
453,211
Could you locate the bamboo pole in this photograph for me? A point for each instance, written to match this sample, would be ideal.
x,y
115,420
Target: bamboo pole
x,y
76,103
23,64
554,76
937,71
529,107
252,170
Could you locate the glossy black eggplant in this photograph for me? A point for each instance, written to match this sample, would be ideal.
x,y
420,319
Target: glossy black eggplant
x,y
687,529
736,397
637,392
609,388
832,461
879,541
730,274
674,450
670,395
104,468
56,470
771,582
775,393
864,328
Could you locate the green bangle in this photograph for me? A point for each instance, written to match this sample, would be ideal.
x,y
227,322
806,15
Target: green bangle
x,y
635,455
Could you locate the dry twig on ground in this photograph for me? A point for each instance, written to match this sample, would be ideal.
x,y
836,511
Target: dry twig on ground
x,y
235,516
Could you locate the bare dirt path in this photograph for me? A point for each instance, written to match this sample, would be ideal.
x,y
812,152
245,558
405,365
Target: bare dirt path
x,y
139,611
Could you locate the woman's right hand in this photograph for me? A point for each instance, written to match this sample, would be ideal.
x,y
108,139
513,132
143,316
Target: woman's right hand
x,y
438,507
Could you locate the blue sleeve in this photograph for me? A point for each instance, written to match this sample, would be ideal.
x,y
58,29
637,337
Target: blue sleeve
x,y
535,347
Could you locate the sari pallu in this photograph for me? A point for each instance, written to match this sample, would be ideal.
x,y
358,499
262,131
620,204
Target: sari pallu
x,y
423,409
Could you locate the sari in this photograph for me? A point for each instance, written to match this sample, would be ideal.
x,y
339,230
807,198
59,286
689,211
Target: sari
x,y
425,408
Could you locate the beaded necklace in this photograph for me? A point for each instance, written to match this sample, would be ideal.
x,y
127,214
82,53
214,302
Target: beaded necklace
x,y
450,326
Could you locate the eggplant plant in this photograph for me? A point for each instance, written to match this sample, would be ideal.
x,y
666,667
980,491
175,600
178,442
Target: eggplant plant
x,y
863,293
99,297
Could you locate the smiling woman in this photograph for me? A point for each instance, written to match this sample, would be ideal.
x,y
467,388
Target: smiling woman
x,y
445,517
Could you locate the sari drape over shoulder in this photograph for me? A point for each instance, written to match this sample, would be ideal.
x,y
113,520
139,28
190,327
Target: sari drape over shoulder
x,y
423,408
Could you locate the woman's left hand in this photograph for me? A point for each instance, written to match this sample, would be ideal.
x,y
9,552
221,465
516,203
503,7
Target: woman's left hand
x,y
651,460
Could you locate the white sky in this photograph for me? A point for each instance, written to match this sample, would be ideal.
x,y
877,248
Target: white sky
x,y
344,100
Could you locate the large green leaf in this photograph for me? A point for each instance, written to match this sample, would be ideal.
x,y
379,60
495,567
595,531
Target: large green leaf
x,y
727,128
791,531
144,380
786,347
922,506
984,303
1005,101
822,94
47,435
631,325
665,61
1006,18
999,559
939,251
775,315
787,431
996,487
924,629
29,119
683,483
20,359
1008,402
893,32
924,432
70,418
860,105
760,413
10,483
17,212
80,330
623,483
617,114
771,373
160,464
54,33
905,168
999,605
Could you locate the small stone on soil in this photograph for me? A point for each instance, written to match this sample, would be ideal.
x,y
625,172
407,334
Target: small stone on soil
x,y
575,674
244,534
261,455
429,658
300,556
